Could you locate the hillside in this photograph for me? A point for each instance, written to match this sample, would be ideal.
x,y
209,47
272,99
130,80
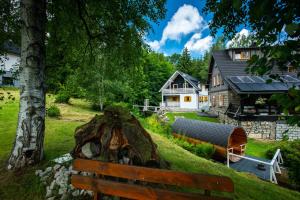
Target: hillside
x,y
59,140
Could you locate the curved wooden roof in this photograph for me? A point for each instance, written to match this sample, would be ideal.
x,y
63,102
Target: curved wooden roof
x,y
213,133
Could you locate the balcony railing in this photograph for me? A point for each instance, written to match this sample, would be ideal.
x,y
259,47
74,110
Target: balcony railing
x,y
178,91
172,104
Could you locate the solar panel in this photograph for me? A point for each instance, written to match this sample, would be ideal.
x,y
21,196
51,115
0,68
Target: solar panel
x,y
245,79
260,83
289,78
235,79
244,87
257,79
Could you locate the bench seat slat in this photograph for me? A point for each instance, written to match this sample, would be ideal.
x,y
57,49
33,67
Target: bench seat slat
x,y
133,191
199,181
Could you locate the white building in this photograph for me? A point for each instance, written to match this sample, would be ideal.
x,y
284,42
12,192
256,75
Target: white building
x,y
9,65
183,92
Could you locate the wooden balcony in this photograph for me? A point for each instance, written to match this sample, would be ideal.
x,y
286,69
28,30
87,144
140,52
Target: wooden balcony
x,y
178,91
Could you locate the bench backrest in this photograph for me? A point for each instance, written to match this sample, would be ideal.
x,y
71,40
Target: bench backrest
x,y
191,180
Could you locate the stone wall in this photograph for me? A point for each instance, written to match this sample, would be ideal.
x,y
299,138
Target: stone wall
x,y
260,129
282,128
264,129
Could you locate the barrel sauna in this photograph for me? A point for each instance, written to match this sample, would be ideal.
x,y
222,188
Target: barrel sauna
x,y
221,136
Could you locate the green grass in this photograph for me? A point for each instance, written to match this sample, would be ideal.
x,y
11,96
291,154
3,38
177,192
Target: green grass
x,y
246,186
189,115
259,148
59,140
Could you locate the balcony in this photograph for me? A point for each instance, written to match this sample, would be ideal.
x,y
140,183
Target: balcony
x,y
172,104
178,91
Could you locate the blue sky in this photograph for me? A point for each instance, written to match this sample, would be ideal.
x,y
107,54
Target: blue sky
x,y
184,25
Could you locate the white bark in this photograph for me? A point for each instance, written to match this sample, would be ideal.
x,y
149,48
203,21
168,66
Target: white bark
x,y
28,147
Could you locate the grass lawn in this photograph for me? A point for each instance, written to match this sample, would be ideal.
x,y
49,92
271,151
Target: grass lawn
x,y
59,140
189,115
259,148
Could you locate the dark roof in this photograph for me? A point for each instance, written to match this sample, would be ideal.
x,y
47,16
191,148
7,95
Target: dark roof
x,y
213,133
10,47
258,84
229,68
192,80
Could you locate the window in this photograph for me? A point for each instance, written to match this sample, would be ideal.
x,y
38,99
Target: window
x,y
203,99
185,85
221,100
291,69
242,55
175,86
175,99
220,82
7,81
214,81
187,99
213,100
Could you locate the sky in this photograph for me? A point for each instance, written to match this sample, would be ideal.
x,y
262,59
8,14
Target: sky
x,y
184,25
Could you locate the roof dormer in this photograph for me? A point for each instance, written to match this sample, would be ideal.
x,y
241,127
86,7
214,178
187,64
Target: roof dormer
x,y
243,54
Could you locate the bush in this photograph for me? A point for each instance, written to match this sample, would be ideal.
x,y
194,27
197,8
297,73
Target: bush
x,y
53,111
204,150
62,97
290,151
154,124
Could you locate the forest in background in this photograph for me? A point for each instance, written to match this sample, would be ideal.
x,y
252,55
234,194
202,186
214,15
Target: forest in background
x,y
103,81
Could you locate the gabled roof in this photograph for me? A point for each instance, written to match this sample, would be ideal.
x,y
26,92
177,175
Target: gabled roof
x,y
190,79
10,47
229,67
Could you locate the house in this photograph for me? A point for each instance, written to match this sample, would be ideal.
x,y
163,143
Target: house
x,y
9,65
242,99
183,92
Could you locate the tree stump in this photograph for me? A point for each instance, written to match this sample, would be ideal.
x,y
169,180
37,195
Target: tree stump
x,y
117,136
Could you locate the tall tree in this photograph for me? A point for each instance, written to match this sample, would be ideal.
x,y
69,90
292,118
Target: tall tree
x,y
81,25
185,62
277,31
28,147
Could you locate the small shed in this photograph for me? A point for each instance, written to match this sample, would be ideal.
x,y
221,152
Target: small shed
x,y
221,136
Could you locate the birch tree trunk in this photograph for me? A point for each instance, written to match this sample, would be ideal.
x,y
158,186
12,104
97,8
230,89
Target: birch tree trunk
x,y
28,146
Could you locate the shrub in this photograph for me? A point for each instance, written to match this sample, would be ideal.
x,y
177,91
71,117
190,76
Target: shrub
x,y
53,111
154,124
204,150
290,151
62,97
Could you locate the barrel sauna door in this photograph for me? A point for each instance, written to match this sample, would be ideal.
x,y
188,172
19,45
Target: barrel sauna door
x,y
237,144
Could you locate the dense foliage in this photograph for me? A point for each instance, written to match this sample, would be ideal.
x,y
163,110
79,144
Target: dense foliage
x,y
62,97
290,151
277,31
53,111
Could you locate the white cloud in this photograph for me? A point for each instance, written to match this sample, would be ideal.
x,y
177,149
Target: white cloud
x,y
237,37
154,45
198,44
186,20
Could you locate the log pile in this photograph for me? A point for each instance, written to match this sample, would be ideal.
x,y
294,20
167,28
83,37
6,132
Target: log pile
x,y
116,136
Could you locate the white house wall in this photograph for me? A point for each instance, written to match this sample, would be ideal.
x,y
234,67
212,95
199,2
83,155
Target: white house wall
x,y
193,104
11,61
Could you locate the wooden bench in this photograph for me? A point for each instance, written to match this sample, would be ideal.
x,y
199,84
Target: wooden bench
x,y
99,186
